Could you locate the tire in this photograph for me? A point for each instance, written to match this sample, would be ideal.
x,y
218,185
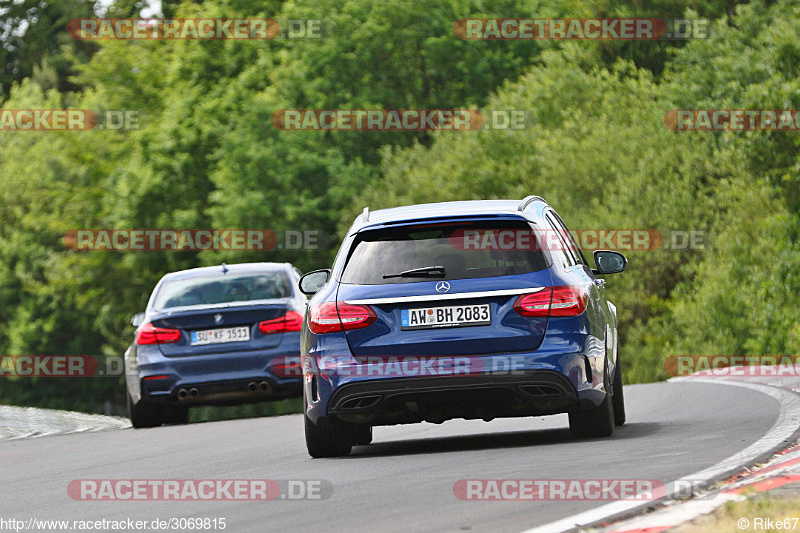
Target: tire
x,y
596,422
176,415
618,397
333,440
145,415
362,435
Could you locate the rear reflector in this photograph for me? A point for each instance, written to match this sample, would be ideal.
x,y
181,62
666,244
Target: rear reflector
x,y
286,366
149,334
160,376
328,317
564,300
291,321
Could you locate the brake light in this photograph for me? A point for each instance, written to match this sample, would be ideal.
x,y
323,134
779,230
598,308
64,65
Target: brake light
x,y
324,318
568,300
564,300
294,321
149,334
328,317
355,316
535,304
291,321
274,325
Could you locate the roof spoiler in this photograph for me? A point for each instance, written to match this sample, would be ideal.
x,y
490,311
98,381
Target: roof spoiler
x,y
527,200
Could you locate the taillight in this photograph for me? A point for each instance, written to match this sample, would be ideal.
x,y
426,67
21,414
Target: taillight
x,y
324,318
328,317
291,321
568,300
149,334
535,304
564,300
294,321
355,316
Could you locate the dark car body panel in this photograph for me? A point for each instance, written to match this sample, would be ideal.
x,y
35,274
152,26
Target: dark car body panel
x,y
560,361
221,373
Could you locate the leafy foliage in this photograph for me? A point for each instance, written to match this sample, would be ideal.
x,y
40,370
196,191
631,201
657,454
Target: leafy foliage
x,y
596,148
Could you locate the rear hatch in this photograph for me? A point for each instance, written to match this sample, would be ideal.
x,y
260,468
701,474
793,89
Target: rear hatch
x,y
190,321
221,312
464,305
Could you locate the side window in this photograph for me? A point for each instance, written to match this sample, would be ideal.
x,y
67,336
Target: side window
x,y
296,275
555,243
570,240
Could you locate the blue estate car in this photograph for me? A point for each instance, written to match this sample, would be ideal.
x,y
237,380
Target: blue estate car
x,y
475,310
216,335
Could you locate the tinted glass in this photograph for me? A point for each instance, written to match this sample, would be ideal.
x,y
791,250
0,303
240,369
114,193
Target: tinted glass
x,y
223,288
573,246
560,251
478,250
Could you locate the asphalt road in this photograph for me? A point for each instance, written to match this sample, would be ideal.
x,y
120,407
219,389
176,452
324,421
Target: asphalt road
x,y
403,481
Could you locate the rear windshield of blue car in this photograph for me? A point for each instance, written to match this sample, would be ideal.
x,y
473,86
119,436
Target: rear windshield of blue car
x,y
458,251
222,288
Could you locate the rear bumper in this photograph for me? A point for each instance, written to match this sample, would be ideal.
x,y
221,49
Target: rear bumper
x,y
536,384
218,379
569,367
227,392
435,399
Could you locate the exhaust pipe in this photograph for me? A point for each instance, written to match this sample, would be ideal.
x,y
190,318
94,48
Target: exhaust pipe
x,y
265,387
194,393
183,394
252,386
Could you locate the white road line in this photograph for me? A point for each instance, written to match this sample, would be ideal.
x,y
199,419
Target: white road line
x,y
31,422
778,437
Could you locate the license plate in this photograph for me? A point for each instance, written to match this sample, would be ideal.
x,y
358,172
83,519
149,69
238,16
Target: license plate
x,y
217,336
445,317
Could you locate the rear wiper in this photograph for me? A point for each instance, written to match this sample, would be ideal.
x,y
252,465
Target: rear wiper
x,y
418,272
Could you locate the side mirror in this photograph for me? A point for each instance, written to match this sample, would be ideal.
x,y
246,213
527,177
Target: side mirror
x,y
609,262
137,319
313,281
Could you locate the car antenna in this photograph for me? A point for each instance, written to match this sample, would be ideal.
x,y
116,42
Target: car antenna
x,y
224,268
